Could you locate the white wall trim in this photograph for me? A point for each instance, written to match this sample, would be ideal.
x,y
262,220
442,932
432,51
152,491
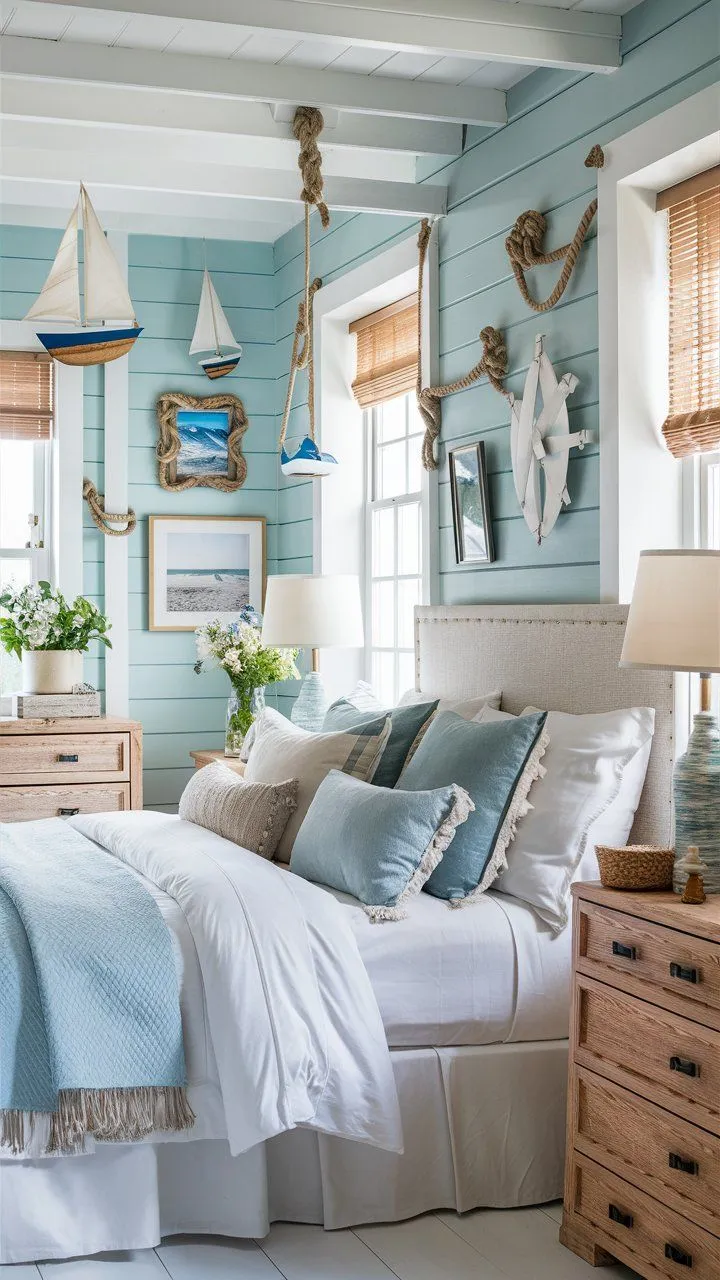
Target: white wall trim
x,y
116,406
66,511
640,484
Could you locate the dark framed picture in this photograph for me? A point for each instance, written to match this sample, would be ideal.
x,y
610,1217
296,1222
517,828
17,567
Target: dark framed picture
x,y
470,505
201,442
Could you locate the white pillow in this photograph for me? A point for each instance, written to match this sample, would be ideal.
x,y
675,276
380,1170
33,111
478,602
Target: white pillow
x,y
282,750
581,798
468,708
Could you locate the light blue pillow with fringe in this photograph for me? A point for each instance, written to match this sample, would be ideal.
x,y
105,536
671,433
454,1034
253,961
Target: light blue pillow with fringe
x,y
377,844
496,764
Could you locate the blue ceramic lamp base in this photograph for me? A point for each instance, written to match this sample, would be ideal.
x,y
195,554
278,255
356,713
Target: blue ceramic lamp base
x,y
697,798
309,708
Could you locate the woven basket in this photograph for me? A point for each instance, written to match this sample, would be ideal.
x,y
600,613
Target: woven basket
x,y
637,866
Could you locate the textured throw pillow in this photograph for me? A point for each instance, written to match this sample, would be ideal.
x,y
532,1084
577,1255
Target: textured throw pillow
x,y
252,814
378,845
282,750
581,798
496,764
408,724
468,708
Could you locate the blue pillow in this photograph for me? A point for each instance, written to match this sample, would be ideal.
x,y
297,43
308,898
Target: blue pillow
x,y
496,763
406,724
377,844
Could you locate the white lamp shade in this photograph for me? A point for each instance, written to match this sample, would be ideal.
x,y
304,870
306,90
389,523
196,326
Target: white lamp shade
x,y
674,619
313,611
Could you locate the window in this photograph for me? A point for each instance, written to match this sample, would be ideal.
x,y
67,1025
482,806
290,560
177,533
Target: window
x,y
394,575
26,412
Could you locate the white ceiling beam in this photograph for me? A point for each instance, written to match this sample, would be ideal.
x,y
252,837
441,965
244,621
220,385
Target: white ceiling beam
x,y
109,169
37,98
253,81
487,29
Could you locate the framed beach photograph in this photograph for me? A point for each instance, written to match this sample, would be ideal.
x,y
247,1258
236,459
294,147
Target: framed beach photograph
x,y
470,505
204,567
201,441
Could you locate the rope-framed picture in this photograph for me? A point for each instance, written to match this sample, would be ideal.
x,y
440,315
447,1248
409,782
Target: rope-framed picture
x,y
472,524
200,442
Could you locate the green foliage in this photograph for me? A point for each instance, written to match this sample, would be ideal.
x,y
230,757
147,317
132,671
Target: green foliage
x,y
237,649
36,617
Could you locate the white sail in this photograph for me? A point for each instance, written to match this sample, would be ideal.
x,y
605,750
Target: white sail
x,y
212,331
59,298
106,293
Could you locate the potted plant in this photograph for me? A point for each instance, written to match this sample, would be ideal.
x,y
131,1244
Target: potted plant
x,y
236,647
49,635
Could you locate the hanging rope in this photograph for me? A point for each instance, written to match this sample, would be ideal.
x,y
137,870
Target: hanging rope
x,y
525,245
492,365
104,519
307,126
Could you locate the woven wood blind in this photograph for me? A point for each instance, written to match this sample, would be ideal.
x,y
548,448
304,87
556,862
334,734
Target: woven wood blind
x,y
693,422
26,395
386,352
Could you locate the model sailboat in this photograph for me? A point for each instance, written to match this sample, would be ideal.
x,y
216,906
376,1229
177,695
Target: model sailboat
x,y
109,328
213,335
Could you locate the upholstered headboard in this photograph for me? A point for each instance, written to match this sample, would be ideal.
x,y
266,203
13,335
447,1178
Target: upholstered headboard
x,y
559,657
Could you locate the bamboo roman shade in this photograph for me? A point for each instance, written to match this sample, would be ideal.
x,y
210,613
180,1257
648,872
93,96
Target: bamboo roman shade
x,y
693,422
26,395
386,352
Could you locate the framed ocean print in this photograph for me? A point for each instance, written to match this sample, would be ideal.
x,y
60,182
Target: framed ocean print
x,y
470,505
204,567
200,442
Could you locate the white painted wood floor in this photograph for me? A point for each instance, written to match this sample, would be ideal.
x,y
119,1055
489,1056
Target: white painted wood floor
x,y
510,1244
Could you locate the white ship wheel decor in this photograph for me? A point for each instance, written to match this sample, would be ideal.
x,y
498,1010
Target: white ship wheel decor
x,y
540,443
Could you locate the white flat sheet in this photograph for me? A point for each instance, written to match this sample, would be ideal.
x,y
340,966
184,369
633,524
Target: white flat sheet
x,y
483,974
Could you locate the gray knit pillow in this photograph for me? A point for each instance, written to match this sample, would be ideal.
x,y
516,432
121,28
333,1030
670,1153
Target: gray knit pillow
x,y
252,814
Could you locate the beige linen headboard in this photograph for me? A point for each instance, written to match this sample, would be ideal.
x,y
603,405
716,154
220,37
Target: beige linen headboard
x,y
559,657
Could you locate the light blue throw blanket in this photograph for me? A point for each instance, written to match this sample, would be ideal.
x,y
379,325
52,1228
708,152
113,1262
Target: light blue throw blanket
x,y
90,1029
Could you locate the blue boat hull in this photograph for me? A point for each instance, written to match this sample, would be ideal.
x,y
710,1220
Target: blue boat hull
x,y
89,346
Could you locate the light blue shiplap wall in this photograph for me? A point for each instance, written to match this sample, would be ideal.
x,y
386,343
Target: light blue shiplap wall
x,y
670,51
179,710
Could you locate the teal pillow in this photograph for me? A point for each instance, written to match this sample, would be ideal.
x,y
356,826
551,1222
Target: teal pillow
x,y
406,724
496,763
377,844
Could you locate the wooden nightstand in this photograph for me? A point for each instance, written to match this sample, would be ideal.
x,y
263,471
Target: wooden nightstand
x,y
642,1181
56,768
202,758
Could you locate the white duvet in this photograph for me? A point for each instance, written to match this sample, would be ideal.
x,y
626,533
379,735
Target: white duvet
x,y
295,1031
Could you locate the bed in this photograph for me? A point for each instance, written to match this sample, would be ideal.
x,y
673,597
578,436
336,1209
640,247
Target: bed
x,y
474,1005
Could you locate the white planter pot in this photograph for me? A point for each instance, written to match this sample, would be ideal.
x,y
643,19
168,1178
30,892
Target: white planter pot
x,y
51,670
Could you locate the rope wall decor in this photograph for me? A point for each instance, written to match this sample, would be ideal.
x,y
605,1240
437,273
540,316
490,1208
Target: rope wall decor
x,y
309,461
105,519
492,364
167,449
524,244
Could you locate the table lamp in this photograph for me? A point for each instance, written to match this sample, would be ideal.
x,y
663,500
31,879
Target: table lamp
x,y
312,611
674,624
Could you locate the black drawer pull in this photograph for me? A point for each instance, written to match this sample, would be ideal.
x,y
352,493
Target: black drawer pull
x,y
685,974
684,1166
63,759
684,1066
619,949
682,1258
617,1215
68,813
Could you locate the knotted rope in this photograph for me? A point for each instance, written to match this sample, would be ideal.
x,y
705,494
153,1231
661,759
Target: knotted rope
x,y
103,519
307,125
524,245
492,364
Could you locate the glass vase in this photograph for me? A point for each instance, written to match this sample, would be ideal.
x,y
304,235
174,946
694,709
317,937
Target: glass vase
x,y
244,705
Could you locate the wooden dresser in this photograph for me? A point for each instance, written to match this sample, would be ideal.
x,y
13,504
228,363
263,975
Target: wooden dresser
x,y
56,768
642,1181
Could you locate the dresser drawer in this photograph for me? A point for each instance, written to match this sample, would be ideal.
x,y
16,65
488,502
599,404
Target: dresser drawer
x,y
21,804
668,1157
91,757
666,1058
678,971
638,1229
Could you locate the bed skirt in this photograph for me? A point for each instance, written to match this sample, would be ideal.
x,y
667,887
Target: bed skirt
x,y
483,1126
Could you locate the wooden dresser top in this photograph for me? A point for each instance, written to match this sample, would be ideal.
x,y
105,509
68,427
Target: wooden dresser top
x,y
660,907
77,724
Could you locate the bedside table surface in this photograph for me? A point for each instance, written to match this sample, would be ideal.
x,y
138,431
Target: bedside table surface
x,y
202,758
660,906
